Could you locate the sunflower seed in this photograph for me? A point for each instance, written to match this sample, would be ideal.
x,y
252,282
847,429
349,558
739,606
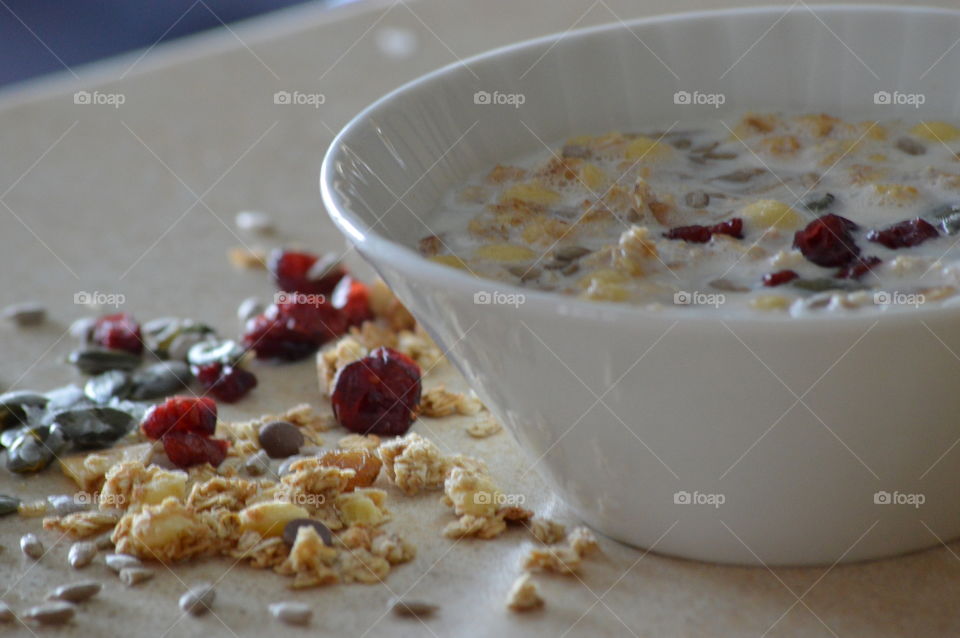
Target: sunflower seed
x,y
6,614
198,600
159,380
76,592
96,360
119,562
291,613
412,608
227,352
107,385
65,504
910,146
81,554
52,613
131,576
25,314
8,504
254,221
31,546
248,309
105,541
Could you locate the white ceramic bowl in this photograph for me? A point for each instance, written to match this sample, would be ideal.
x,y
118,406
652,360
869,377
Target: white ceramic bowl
x,y
799,425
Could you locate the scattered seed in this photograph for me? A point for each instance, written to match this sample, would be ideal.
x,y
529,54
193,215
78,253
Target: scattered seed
x,y
181,344
96,360
818,203
290,530
8,504
280,439
31,546
159,380
720,156
14,407
910,146
105,542
198,600
119,562
742,175
52,613
32,449
105,386
257,464
571,253
575,150
412,608
76,592
249,308
6,614
697,199
81,554
131,576
25,314
64,504
254,221
93,428
291,613
33,509
226,352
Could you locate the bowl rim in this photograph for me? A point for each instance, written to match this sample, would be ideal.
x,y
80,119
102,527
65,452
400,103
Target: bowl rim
x,y
393,251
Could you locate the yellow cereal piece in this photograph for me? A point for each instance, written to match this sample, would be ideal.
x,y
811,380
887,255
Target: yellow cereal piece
x,y
359,509
606,292
592,176
936,131
602,276
895,193
449,260
531,193
770,302
268,519
771,213
645,148
505,253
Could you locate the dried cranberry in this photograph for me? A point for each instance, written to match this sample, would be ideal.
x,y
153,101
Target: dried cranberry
x,y
181,414
305,272
828,241
118,332
271,338
905,234
859,268
352,299
378,394
779,278
312,316
698,234
227,383
186,449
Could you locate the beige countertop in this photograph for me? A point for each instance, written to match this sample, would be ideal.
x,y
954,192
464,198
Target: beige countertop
x,y
139,200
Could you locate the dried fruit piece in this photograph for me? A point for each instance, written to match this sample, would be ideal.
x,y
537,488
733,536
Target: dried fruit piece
x,y
305,272
118,332
181,414
365,464
378,394
697,234
227,383
905,234
779,278
859,268
352,299
271,338
828,241
186,449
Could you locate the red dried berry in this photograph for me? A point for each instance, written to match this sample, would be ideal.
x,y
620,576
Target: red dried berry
x,y
305,272
118,332
378,394
905,234
779,278
186,449
312,316
227,383
352,299
828,241
271,338
697,234
181,414
859,268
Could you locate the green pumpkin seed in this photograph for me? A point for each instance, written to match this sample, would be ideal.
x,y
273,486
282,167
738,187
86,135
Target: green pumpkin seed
x,y
160,335
159,380
227,352
34,449
825,283
66,398
97,360
14,407
108,385
92,428
8,504
819,202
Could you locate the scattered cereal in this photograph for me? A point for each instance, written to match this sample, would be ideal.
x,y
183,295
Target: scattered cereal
x,y
524,594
